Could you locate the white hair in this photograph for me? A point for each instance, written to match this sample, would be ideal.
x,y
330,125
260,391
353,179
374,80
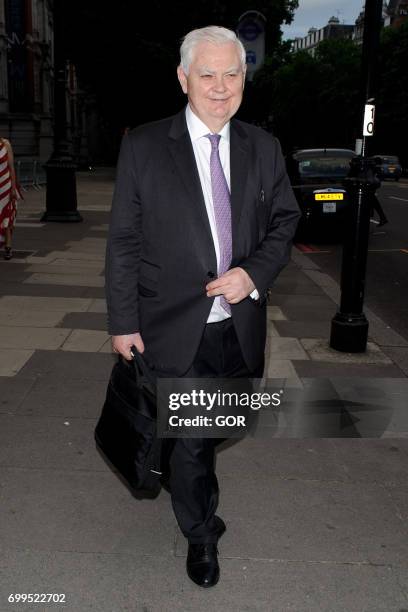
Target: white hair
x,y
212,34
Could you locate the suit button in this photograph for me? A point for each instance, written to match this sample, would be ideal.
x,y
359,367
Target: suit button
x,y
210,274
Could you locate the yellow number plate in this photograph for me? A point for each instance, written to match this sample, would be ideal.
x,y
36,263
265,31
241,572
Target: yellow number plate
x,y
329,196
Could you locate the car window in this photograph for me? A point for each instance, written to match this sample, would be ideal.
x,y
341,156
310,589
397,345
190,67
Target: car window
x,y
324,166
390,160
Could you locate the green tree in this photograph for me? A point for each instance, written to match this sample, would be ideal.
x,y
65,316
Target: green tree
x,y
126,52
313,99
391,126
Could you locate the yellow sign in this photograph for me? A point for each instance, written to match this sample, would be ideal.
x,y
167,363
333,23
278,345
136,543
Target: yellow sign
x,y
329,196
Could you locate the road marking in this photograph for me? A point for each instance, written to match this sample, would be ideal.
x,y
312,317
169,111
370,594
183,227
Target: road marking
x,y
395,198
404,251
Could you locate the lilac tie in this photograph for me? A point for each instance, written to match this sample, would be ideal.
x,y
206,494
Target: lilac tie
x,y
222,211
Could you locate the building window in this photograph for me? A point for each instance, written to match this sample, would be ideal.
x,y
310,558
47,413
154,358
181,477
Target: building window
x,y
19,55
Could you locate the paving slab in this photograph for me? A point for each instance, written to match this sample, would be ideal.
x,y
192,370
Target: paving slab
x,y
77,280
281,369
107,583
316,459
398,354
84,320
64,269
12,360
399,495
87,248
12,303
68,255
319,350
383,335
375,461
299,520
297,312
49,443
98,305
88,240
45,338
303,329
94,292
103,227
85,340
274,313
386,397
67,398
287,348
271,332
12,273
288,285
67,365
78,511
302,261
322,369
44,290
300,302
30,318
107,347
79,263
13,391
322,279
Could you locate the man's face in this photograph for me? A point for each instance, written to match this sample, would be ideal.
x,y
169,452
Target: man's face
x,y
214,83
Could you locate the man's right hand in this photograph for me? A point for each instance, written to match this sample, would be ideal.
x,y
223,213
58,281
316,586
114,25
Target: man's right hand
x,y
122,344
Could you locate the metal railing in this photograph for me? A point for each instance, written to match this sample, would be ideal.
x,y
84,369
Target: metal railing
x,y
30,173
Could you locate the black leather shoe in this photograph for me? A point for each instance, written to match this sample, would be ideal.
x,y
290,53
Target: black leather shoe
x,y
202,564
220,525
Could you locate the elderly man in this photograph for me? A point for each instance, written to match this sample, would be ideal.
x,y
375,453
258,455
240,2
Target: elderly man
x,y
202,222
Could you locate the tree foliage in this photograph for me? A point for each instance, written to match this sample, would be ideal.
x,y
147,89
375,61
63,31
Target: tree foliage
x,y
126,52
392,100
315,101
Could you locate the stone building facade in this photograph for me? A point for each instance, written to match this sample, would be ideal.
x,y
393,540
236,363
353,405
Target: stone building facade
x,y
26,76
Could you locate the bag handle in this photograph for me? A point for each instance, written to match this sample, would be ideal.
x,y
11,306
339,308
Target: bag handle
x,y
141,367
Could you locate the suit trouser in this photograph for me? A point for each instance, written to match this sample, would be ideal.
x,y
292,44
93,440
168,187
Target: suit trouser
x,y
193,483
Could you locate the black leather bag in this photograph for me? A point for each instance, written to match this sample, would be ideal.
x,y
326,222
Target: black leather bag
x,y
126,430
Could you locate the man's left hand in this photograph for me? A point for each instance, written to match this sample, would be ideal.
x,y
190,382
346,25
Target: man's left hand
x,y
234,285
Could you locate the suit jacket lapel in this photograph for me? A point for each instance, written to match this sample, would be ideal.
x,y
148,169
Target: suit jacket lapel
x,y
182,152
239,161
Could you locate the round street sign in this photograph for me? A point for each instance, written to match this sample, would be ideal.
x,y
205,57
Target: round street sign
x,y
250,30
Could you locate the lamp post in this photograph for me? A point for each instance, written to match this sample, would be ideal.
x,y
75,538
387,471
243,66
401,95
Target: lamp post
x,y
61,199
349,329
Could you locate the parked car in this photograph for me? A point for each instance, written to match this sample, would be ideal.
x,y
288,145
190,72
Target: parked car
x,y
317,177
387,167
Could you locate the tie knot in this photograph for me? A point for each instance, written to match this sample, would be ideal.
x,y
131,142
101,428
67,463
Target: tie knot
x,y
215,140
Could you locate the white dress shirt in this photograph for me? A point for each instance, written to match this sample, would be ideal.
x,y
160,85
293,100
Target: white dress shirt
x,y
202,152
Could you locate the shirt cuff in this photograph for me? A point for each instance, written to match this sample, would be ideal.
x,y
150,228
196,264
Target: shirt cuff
x,y
254,295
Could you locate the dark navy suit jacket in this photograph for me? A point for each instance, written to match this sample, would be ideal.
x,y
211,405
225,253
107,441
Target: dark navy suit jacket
x,y
160,252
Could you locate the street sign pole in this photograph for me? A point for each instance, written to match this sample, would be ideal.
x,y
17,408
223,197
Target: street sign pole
x,y
349,328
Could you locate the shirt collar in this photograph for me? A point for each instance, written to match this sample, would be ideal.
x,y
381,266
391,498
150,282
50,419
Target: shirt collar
x,y
197,129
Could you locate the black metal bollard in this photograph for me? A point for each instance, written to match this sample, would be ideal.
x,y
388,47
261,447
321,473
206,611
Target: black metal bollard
x,y
349,329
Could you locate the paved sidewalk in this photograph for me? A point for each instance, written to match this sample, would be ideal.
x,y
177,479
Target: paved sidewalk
x,y
313,524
